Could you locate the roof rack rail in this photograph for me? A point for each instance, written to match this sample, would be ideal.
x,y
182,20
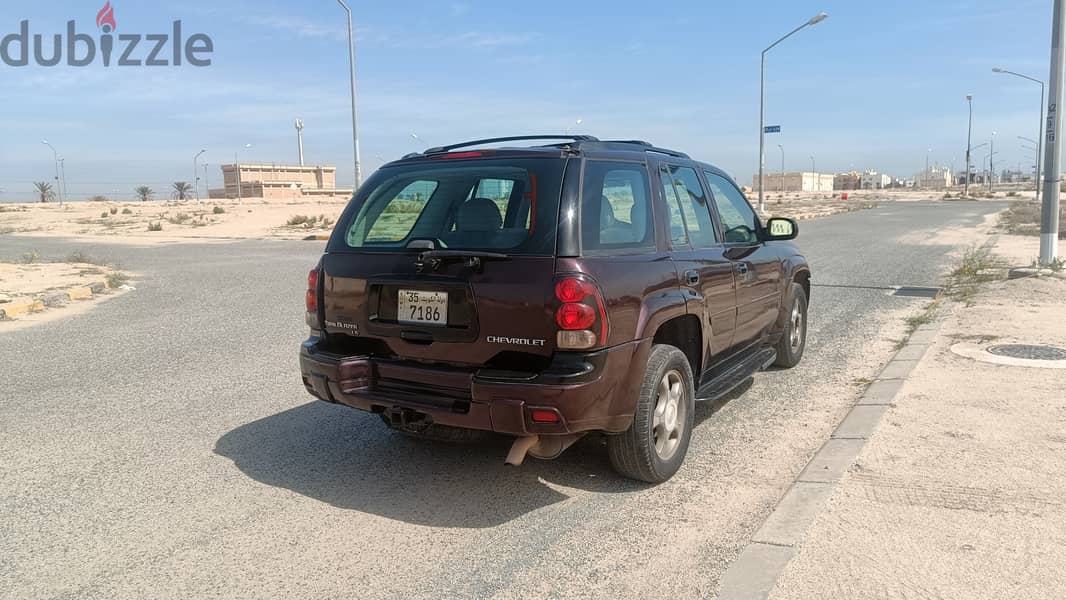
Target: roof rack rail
x,y
649,147
515,138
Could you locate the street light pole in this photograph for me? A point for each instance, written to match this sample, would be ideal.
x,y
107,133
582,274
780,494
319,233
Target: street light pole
x,y
196,174
969,134
55,156
816,19
207,186
1040,125
355,111
1049,221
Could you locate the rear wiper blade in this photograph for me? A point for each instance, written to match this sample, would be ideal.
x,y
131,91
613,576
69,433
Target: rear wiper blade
x,y
473,258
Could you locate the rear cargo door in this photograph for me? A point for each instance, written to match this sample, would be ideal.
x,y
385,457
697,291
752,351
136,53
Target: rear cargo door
x,y
449,262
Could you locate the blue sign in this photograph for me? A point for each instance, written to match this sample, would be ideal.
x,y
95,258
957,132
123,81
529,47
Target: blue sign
x,y
772,129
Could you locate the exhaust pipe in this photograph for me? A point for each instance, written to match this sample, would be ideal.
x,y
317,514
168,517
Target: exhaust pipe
x,y
519,449
543,447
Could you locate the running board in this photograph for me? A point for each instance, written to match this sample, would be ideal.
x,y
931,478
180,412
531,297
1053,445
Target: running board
x,y
736,374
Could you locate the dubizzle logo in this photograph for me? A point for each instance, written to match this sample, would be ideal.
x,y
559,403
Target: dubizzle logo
x,y
159,49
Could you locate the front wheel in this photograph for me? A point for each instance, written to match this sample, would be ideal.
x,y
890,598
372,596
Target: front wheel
x,y
794,338
654,446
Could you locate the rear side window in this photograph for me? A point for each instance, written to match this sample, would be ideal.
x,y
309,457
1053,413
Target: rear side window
x,y
502,205
690,217
616,207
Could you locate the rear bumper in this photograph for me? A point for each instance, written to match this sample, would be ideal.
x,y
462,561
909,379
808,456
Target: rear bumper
x,y
590,392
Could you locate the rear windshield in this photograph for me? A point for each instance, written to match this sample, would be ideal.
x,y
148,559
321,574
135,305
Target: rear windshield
x,y
503,205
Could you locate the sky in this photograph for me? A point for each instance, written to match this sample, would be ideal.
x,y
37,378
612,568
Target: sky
x,y
878,85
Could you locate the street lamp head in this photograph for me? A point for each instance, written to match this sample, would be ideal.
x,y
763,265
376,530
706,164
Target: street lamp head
x,y
45,142
969,97
997,70
818,18
247,145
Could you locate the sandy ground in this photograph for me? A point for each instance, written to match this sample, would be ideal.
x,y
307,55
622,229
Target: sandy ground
x,y
180,221
960,492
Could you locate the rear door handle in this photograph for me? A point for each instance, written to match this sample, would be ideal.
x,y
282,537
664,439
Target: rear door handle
x,y
742,268
692,277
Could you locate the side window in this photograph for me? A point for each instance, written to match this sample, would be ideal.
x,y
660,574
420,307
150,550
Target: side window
x,y
738,218
615,206
689,212
401,212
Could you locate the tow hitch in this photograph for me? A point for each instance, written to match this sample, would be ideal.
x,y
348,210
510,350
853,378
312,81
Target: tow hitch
x,y
405,419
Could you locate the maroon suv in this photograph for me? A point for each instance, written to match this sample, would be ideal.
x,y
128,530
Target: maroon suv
x,y
545,292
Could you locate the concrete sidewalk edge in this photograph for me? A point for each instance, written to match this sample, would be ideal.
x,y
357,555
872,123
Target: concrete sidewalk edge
x,y
754,573
57,299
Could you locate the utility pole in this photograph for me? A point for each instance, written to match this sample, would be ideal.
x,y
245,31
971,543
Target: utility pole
x,y
63,176
207,186
1049,221
992,153
969,134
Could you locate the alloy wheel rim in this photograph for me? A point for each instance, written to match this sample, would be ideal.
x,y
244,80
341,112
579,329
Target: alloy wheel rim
x,y
668,418
796,333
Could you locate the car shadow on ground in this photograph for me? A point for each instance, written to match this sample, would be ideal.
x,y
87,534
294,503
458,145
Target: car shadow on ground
x,y
350,460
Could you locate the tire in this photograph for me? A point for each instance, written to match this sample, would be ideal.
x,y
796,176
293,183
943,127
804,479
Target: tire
x,y
794,337
666,397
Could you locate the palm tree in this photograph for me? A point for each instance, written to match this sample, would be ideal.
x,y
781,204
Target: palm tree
x,y
45,191
182,190
144,193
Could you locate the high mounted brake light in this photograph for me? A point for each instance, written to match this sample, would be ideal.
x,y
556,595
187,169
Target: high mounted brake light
x,y
448,155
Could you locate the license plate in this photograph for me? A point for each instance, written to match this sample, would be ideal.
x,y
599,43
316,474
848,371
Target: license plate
x,y
424,308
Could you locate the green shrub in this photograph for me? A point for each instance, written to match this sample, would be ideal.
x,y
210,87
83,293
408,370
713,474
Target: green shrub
x,y
218,210
157,226
127,211
29,258
104,214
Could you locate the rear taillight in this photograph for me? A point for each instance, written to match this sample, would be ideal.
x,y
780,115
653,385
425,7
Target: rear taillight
x,y
311,299
581,314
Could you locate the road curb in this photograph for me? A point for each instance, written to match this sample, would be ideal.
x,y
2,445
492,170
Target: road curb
x,y
320,237
58,299
755,572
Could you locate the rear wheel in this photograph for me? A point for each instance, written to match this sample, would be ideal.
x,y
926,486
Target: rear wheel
x,y
654,446
794,338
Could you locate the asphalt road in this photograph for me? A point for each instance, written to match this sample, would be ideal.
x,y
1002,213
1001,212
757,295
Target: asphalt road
x,y
162,445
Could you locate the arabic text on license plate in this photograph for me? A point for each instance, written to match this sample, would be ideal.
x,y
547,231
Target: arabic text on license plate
x,y
423,307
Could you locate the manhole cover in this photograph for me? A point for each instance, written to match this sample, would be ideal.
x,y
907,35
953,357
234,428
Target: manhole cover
x,y
917,291
1028,352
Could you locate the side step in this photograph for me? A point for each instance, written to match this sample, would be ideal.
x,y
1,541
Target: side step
x,y
736,374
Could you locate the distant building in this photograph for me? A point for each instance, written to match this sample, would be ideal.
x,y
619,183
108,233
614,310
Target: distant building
x,y
847,181
872,180
279,181
795,182
936,178
1008,176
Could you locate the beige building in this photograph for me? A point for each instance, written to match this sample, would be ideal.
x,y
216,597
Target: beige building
x,y
936,178
795,182
279,181
847,181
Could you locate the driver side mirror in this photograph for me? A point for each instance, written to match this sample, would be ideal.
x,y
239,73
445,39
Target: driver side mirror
x,y
781,229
